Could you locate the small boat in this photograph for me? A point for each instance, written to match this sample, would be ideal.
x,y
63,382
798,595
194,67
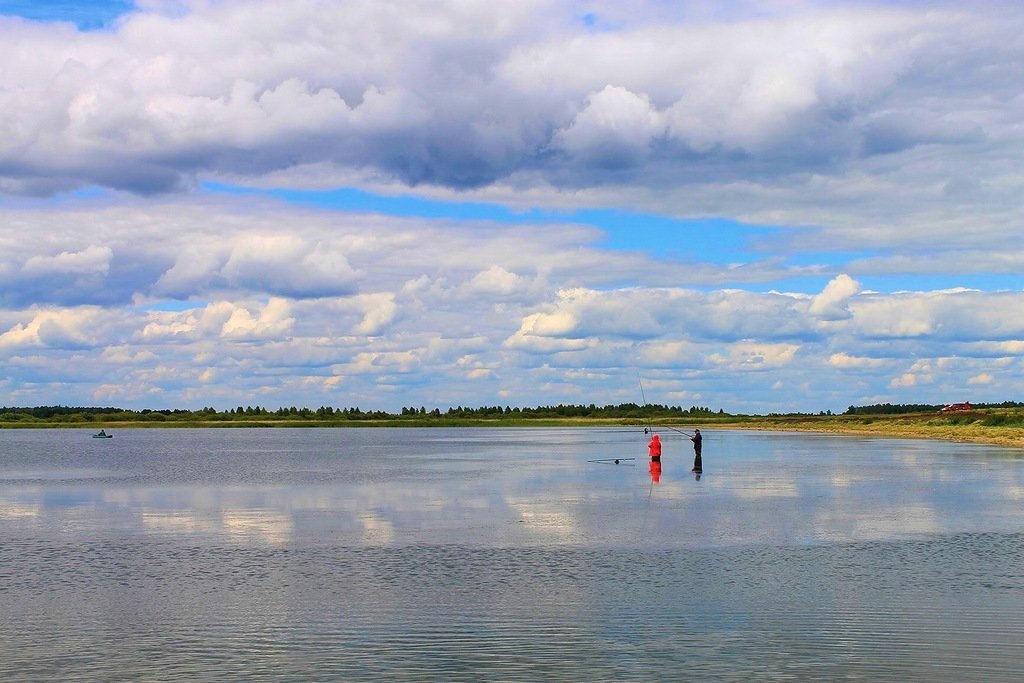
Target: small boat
x,y
103,435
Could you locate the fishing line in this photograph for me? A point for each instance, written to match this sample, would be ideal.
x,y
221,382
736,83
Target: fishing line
x,y
643,397
649,424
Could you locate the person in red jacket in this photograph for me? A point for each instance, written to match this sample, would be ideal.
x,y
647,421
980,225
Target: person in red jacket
x,y
654,448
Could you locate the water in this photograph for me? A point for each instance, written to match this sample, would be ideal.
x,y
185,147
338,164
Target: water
x,y
506,555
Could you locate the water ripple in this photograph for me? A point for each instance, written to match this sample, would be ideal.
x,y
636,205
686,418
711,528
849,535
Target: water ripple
x,y
162,611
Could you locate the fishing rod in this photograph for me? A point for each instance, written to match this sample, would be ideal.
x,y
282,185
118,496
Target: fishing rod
x,y
614,461
678,430
649,424
643,397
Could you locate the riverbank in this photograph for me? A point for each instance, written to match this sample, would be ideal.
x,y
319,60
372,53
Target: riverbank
x,y
897,427
999,428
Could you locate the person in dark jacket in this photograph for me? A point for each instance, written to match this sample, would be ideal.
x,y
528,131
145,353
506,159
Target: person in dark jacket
x,y
698,466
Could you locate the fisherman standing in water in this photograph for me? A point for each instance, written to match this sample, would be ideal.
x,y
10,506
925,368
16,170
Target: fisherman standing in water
x,y
696,439
654,448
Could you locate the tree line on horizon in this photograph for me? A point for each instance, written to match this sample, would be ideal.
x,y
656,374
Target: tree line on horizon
x,y
890,409
622,410
411,413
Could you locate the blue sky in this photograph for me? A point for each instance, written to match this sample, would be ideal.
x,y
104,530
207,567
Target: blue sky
x,y
88,15
759,206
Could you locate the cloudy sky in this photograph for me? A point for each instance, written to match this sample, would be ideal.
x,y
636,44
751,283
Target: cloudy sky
x,y
755,206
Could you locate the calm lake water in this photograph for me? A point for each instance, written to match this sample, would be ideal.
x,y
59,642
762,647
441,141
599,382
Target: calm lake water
x,y
506,555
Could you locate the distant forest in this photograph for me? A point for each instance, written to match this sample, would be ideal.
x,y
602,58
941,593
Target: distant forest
x,y
889,409
327,413
622,411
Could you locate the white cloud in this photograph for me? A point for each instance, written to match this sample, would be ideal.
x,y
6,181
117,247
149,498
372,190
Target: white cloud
x,y
615,128
271,321
373,362
548,324
906,380
733,112
20,335
755,356
93,260
496,280
829,124
921,372
193,271
669,353
380,311
286,264
56,329
947,315
831,303
846,361
414,330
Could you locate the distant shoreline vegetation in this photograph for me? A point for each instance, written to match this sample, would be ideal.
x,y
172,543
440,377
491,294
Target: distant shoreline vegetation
x,y
992,423
72,415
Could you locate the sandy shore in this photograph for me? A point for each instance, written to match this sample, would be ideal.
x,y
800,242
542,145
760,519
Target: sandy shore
x,y
893,428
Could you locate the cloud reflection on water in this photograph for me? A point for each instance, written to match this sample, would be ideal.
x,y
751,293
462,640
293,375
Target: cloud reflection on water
x,y
19,510
757,489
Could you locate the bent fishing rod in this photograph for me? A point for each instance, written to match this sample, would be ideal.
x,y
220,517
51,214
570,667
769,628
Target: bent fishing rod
x,y
678,430
649,424
644,399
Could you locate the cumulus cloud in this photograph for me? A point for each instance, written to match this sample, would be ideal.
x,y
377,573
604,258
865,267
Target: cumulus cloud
x,y
579,338
615,128
60,329
921,372
379,312
904,381
944,315
270,321
194,270
846,361
756,356
831,303
221,319
496,280
872,141
459,96
93,260
285,264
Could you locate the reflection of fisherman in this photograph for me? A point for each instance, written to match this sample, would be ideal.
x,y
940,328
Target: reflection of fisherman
x,y
654,448
696,439
655,470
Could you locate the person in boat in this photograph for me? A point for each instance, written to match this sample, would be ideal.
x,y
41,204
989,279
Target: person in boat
x,y
698,466
102,433
654,448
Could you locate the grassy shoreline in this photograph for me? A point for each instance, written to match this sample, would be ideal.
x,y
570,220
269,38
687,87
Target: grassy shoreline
x,y
1008,436
988,427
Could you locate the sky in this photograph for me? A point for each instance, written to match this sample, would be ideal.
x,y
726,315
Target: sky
x,y
775,206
